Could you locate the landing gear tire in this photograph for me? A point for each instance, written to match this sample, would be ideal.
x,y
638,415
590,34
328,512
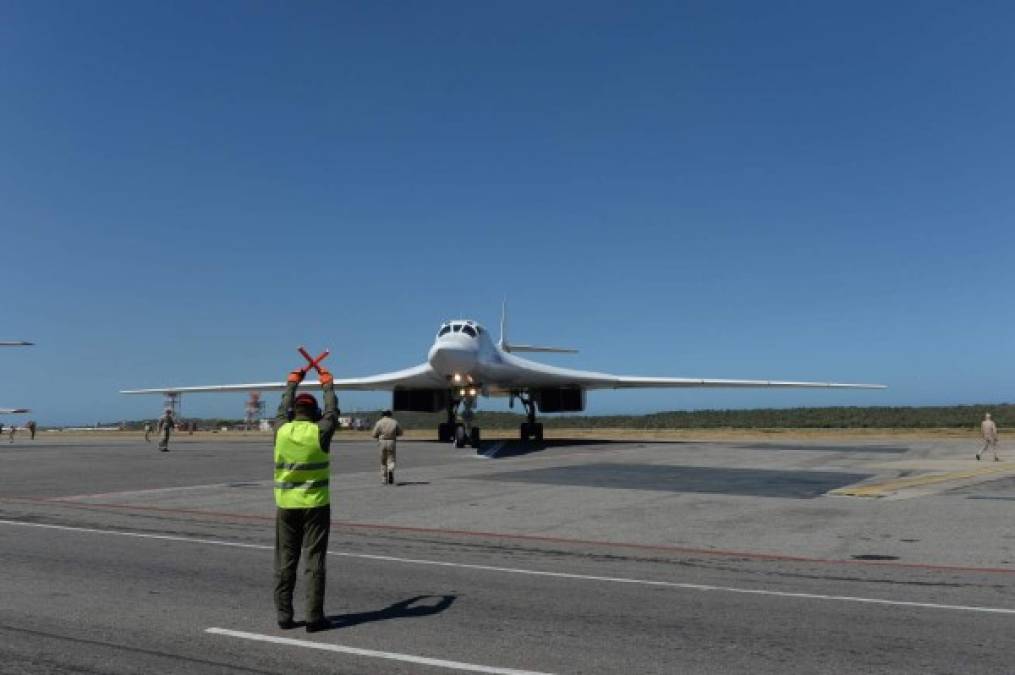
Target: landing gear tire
x,y
531,431
460,436
445,432
474,438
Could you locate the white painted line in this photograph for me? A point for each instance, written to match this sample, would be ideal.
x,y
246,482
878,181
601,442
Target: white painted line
x,y
152,491
142,535
341,649
676,584
494,449
539,573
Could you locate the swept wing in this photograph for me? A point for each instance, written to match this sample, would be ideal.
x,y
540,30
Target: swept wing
x,y
522,373
417,377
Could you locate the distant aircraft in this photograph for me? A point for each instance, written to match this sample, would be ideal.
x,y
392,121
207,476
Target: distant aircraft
x,y
464,363
14,343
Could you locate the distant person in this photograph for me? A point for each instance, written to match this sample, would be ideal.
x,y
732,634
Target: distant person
x,y
386,431
989,431
31,428
14,427
166,425
147,432
302,496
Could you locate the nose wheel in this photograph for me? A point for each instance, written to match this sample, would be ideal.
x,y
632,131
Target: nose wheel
x,y
461,433
530,429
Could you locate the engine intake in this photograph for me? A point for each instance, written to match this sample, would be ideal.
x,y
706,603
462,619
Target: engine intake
x,y
559,399
419,400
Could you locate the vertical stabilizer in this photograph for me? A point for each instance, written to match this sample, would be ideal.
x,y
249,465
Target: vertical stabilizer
x,y
503,324
507,347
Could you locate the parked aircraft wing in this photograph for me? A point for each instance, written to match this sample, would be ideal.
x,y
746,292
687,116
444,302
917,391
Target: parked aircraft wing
x,y
524,374
417,377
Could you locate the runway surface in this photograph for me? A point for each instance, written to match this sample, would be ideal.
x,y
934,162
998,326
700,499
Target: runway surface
x,y
564,557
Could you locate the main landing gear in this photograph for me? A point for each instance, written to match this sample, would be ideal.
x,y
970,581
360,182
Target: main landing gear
x,y
460,433
530,429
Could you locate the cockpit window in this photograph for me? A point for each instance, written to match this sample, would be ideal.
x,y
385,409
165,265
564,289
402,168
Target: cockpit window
x,y
469,330
444,331
457,327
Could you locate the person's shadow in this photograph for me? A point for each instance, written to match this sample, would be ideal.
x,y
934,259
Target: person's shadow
x,y
406,609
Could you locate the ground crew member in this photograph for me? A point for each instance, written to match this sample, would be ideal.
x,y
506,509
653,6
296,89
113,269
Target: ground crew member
x,y
147,432
386,431
303,517
166,425
31,428
989,431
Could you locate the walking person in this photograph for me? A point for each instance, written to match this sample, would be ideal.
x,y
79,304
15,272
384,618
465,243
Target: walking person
x,y
166,425
302,497
147,432
31,428
989,431
386,431
14,427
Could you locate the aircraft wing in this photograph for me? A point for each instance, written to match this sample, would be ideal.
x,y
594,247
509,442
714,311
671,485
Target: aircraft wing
x,y
417,377
522,373
13,411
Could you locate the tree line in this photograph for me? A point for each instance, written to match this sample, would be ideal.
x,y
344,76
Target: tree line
x,y
869,417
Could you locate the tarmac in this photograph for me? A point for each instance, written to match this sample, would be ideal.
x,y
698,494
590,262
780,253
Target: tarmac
x,y
697,556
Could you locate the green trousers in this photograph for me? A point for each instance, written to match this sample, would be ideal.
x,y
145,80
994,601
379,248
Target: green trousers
x,y
296,529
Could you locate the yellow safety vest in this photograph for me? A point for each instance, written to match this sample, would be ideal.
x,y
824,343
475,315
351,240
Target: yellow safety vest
x,y
302,469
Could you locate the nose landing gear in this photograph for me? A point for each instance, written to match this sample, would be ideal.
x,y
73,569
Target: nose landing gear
x,y
530,429
460,433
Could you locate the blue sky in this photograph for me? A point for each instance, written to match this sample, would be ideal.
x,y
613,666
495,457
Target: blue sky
x,y
190,190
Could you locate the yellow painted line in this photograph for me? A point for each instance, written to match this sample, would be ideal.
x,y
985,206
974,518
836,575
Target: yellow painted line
x,y
886,487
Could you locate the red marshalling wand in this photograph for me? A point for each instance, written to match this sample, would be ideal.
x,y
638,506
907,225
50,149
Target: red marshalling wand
x,y
314,364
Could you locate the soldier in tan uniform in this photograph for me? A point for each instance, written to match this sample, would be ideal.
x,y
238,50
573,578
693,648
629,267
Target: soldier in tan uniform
x,y
386,431
989,431
166,424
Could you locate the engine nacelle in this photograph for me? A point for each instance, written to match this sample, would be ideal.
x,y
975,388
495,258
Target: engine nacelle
x,y
559,399
420,400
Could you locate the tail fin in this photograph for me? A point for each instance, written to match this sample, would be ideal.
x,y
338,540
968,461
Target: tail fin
x,y
508,347
503,324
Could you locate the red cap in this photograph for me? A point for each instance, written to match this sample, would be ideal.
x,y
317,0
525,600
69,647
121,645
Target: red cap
x,y
307,400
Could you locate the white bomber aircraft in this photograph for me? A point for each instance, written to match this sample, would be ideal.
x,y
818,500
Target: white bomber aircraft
x,y
14,343
464,363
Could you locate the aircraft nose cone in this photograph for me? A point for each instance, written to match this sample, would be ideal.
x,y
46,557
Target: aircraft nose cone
x,y
449,359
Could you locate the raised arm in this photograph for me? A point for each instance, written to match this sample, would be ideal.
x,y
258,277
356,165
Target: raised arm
x,y
329,417
286,405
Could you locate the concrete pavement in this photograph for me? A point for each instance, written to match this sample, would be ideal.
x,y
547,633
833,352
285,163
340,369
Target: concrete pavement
x,y
574,557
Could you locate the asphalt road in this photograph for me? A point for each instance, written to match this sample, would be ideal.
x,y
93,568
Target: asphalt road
x,y
113,564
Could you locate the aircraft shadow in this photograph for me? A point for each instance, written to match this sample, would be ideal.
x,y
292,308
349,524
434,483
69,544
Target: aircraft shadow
x,y
406,609
499,449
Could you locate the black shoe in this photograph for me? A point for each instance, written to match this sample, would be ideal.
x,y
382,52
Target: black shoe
x,y
320,624
286,624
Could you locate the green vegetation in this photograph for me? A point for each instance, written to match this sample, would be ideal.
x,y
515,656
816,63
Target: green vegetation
x,y
959,416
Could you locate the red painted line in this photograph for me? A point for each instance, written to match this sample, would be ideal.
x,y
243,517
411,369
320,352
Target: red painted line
x,y
535,538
